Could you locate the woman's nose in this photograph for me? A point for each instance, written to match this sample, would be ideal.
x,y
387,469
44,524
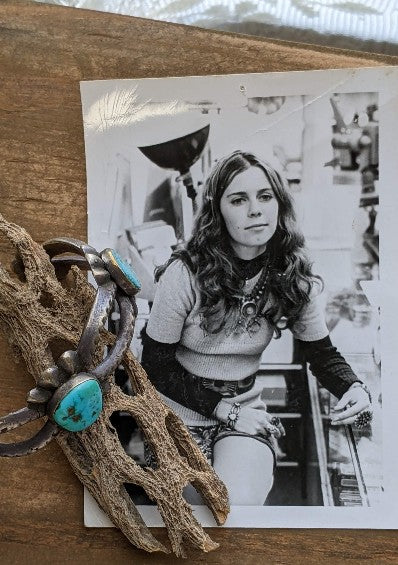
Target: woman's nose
x,y
254,209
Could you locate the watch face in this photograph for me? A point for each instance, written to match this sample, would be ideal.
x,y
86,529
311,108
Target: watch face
x,y
232,417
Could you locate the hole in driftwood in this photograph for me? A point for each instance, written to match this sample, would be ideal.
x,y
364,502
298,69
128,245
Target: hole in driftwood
x,y
137,494
191,495
18,268
182,443
11,261
66,277
125,427
132,439
122,380
46,299
130,434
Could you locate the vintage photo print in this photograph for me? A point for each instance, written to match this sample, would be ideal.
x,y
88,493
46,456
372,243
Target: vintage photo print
x,y
259,213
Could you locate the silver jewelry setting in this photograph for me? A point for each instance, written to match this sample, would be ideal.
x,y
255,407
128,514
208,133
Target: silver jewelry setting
x,y
116,283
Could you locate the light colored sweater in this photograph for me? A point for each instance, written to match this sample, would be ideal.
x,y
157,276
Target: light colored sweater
x,y
175,318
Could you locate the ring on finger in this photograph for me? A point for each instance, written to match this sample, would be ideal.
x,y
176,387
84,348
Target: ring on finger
x,y
276,421
363,418
273,430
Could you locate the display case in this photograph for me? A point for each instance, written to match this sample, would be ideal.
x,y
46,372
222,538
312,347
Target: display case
x,y
345,463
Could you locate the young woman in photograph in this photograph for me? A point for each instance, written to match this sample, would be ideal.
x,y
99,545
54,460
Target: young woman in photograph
x,y
219,301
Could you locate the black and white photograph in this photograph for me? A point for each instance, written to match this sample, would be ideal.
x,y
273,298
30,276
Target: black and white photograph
x,y
257,212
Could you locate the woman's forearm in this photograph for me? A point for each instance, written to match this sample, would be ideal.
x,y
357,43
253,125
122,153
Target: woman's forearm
x,y
328,366
171,379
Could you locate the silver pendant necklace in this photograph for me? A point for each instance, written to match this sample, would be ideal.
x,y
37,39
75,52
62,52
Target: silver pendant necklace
x,y
249,306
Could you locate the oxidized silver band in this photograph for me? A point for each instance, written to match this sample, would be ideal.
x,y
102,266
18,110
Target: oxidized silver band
x,y
53,387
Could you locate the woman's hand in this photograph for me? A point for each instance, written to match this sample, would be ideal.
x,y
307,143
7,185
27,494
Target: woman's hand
x,y
258,422
354,401
253,421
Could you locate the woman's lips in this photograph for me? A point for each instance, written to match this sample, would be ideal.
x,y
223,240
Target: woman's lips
x,y
256,227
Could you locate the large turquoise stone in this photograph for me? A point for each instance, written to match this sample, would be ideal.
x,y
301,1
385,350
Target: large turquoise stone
x,y
126,270
80,407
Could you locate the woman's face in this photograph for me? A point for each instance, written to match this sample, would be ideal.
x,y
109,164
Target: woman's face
x,y
250,211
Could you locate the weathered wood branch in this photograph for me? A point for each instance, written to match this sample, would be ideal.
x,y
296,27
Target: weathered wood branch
x,y
41,319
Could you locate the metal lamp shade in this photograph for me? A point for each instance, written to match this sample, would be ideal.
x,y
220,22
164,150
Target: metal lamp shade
x,y
178,154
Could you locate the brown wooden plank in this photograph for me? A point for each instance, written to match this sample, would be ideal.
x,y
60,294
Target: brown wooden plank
x,y
45,52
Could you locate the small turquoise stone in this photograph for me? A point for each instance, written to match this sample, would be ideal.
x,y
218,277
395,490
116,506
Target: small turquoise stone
x,y
80,407
127,270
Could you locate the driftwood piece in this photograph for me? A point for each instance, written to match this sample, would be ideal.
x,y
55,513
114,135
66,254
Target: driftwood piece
x,y
41,319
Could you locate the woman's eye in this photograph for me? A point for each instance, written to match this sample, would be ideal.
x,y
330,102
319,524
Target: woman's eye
x,y
265,197
237,201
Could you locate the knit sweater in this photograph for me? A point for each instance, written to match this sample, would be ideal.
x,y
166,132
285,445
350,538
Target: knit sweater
x,y
175,319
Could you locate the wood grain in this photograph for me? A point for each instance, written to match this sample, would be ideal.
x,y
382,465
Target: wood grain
x,y
45,52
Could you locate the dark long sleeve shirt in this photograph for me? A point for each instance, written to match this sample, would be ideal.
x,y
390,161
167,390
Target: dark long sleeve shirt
x,y
171,379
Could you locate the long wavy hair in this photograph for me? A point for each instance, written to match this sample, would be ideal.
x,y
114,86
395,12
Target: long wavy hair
x,y
209,256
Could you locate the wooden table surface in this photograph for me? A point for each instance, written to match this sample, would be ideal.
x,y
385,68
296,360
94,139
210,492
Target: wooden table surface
x,y
44,52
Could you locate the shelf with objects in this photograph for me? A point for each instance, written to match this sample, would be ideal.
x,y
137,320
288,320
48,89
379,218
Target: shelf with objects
x,y
345,462
344,466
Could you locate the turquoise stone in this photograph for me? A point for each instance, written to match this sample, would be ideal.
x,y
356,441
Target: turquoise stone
x,y
126,270
80,407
